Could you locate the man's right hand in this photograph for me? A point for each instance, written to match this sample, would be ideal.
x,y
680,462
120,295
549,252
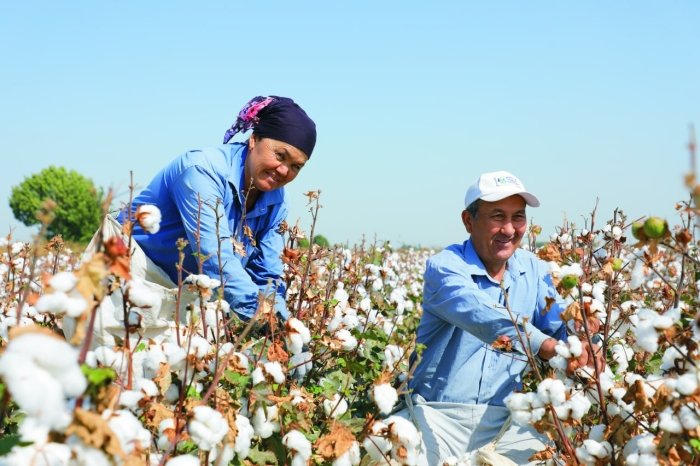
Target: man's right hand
x,y
589,355
547,351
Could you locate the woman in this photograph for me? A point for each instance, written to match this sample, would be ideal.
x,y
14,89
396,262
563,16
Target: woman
x,y
233,193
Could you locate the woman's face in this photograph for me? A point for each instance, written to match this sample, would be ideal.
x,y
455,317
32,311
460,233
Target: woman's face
x,y
271,164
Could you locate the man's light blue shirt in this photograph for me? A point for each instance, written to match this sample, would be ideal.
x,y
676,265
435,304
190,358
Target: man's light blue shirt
x,y
464,313
211,175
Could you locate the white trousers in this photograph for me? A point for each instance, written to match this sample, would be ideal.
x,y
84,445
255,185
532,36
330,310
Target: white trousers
x,y
455,429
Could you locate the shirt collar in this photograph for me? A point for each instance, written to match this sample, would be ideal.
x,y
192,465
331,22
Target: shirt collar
x,y
475,266
236,173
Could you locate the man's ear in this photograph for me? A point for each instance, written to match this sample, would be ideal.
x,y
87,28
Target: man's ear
x,y
467,220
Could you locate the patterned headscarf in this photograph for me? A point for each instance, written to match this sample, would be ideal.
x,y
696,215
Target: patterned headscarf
x,y
277,118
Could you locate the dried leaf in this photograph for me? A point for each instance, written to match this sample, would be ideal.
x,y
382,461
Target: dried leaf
x,y
549,302
549,252
248,232
544,455
503,343
155,413
163,378
238,247
637,394
335,443
93,430
276,352
572,312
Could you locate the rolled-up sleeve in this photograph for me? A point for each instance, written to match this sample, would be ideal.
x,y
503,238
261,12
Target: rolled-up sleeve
x,y
240,291
456,299
265,268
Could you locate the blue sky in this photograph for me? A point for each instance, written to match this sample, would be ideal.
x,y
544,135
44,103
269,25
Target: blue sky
x,y
583,101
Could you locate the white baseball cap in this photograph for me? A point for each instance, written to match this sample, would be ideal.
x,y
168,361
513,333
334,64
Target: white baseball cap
x,y
494,186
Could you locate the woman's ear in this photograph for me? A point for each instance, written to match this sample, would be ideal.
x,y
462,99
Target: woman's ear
x,y
251,142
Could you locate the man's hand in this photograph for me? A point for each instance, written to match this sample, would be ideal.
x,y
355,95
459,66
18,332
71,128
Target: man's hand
x,y
546,351
589,355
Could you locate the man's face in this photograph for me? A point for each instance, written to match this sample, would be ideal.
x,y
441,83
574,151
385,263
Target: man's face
x,y
496,231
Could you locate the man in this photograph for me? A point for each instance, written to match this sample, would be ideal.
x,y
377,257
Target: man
x,y
473,293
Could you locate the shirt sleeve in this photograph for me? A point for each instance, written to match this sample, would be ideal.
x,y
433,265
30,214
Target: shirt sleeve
x,y
240,291
456,299
550,305
265,268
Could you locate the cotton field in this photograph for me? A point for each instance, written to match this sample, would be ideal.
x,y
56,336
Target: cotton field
x,y
98,367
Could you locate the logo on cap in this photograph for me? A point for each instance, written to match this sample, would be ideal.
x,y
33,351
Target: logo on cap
x,y
501,180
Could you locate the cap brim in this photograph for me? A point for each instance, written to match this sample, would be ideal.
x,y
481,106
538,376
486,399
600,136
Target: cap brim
x,y
530,199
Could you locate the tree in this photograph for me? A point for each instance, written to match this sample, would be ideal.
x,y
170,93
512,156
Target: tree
x,y
79,202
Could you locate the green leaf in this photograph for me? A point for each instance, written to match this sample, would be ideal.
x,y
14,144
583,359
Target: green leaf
x,y
695,443
341,362
236,379
141,347
98,375
9,441
261,457
193,393
186,446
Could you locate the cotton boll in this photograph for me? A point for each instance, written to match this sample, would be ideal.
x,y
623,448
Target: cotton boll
x,y
300,446
130,398
521,417
264,421
572,269
403,431
347,341
597,449
183,460
563,411
562,349
350,457
258,376
60,303
199,347
559,362
63,281
392,355
335,407
622,355
207,427
552,391
686,384
598,291
517,401
376,444
149,217
638,275
669,422
340,294
48,454
243,437
688,417
579,405
166,434
222,454
365,304
203,281
175,356
385,397
128,430
84,455
147,387
140,295
274,370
